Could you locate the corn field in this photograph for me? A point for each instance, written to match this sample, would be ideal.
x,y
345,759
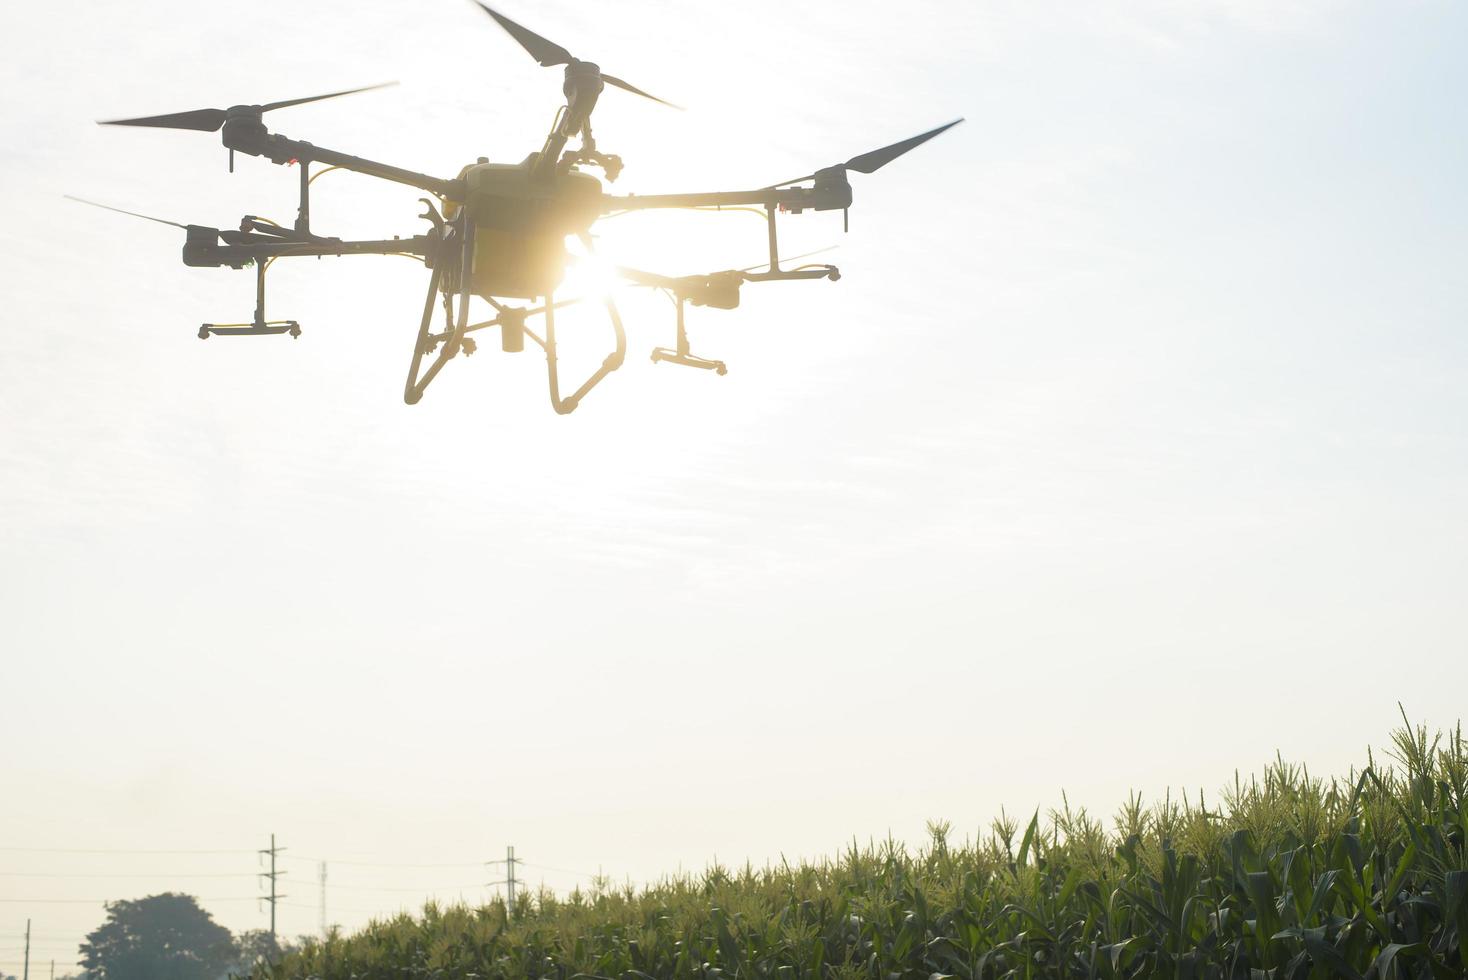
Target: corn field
x,y
1282,875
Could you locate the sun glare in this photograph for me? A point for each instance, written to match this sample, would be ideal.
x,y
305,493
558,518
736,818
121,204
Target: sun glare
x,y
590,276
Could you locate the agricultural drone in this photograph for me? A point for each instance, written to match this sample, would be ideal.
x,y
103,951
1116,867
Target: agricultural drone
x,y
500,231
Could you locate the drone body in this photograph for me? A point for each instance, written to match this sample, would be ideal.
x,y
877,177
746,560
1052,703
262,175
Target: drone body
x,y
521,224
499,231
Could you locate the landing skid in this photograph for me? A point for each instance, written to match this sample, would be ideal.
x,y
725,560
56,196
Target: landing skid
x,y
682,355
688,360
259,326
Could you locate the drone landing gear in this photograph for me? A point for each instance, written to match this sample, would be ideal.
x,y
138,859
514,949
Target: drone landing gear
x,y
454,327
510,320
258,326
681,355
513,330
565,406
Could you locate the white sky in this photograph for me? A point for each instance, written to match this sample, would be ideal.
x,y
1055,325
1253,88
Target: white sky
x,y
1129,449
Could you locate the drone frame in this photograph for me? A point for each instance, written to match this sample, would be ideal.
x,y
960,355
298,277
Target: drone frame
x,y
448,247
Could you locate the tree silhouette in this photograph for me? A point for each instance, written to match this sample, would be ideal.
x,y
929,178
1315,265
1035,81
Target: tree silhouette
x,y
256,946
161,937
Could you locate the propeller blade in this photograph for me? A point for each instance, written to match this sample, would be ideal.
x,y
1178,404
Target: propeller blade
x,y
873,160
201,120
547,53
613,80
329,95
108,207
211,120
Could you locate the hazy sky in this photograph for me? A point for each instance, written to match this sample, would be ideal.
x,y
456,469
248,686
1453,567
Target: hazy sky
x,y
1129,449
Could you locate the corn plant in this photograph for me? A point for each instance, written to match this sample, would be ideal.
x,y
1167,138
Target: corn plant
x,y
1286,876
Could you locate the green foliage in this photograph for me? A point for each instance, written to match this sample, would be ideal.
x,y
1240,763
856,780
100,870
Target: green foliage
x,y
256,947
161,937
1288,877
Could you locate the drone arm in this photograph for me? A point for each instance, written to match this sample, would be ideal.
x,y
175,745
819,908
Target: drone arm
x,y
372,168
794,197
248,136
239,253
642,278
826,195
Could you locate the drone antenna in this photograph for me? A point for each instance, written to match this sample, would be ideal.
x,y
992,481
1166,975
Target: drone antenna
x,y
108,207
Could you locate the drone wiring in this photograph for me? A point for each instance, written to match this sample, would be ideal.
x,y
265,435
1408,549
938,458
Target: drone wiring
x,y
712,208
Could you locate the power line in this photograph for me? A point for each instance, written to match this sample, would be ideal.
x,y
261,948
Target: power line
x,y
104,901
426,888
305,905
15,963
463,891
56,901
566,871
387,864
292,857
110,850
141,874
12,963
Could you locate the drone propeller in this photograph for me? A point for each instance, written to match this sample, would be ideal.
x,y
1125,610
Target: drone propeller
x,y
108,207
211,120
873,160
550,54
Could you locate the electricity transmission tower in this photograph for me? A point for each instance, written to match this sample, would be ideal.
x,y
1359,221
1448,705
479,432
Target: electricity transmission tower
x,y
272,874
508,881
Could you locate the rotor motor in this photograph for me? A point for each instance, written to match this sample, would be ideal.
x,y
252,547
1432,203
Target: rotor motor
x,y
833,190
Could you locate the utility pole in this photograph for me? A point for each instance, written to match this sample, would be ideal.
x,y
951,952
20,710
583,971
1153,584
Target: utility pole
x,y
27,975
272,875
509,880
510,876
323,899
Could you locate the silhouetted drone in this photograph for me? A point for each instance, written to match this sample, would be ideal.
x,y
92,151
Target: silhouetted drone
x,y
500,230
